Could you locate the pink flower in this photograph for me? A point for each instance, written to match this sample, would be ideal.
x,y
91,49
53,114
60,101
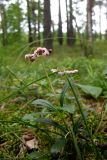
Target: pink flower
x,y
38,52
42,51
31,57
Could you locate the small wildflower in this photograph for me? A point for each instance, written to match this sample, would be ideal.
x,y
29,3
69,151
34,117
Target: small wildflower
x,y
54,70
64,72
61,73
71,71
38,52
42,51
31,57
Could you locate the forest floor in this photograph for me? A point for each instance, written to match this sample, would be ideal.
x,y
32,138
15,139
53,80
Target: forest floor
x,y
50,115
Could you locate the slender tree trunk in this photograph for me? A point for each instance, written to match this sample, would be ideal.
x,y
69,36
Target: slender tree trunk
x,y
47,25
60,33
34,17
100,22
39,36
106,14
70,30
106,22
66,2
30,37
3,25
72,34
19,20
89,28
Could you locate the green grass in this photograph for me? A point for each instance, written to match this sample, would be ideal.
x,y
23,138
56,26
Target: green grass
x,y
69,122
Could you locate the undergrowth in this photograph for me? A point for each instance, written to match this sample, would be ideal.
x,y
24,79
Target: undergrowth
x,y
69,122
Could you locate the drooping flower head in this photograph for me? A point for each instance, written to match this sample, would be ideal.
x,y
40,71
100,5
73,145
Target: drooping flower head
x,y
38,52
31,57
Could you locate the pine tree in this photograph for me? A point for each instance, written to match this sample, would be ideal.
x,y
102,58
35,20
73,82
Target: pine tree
x,y
30,36
89,27
3,23
47,25
60,33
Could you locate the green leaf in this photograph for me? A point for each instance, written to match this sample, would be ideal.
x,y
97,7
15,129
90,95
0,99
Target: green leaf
x,y
29,117
63,94
105,71
36,155
69,108
58,145
44,103
32,116
51,122
105,107
90,90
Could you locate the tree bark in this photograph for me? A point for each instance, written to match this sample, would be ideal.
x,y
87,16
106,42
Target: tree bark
x,y
100,7
39,36
72,34
30,37
47,25
3,25
67,21
19,19
60,33
89,27
70,29
34,22
106,21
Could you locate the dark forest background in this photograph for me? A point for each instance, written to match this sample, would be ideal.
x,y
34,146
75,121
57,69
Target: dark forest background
x,y
31,19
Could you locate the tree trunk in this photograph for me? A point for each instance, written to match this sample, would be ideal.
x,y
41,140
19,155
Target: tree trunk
x,y
70,30
89,28
30,37
47,25
72,34
39,36
19,19
34,22
66,2
60,33
100,21
106,22
3,25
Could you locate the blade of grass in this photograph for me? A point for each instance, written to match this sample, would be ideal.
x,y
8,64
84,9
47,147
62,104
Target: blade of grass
x,y
76,144
48,78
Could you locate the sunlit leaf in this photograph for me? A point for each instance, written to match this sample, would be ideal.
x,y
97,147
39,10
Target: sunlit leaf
x,y
28,117
69,108
32,116
91,90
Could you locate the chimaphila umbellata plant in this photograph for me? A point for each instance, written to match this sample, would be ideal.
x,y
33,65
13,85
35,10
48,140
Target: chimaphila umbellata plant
x,y
73,130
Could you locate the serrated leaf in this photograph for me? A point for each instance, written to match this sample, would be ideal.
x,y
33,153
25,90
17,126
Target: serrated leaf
x,y
58,145
63,94
90,90
44,103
